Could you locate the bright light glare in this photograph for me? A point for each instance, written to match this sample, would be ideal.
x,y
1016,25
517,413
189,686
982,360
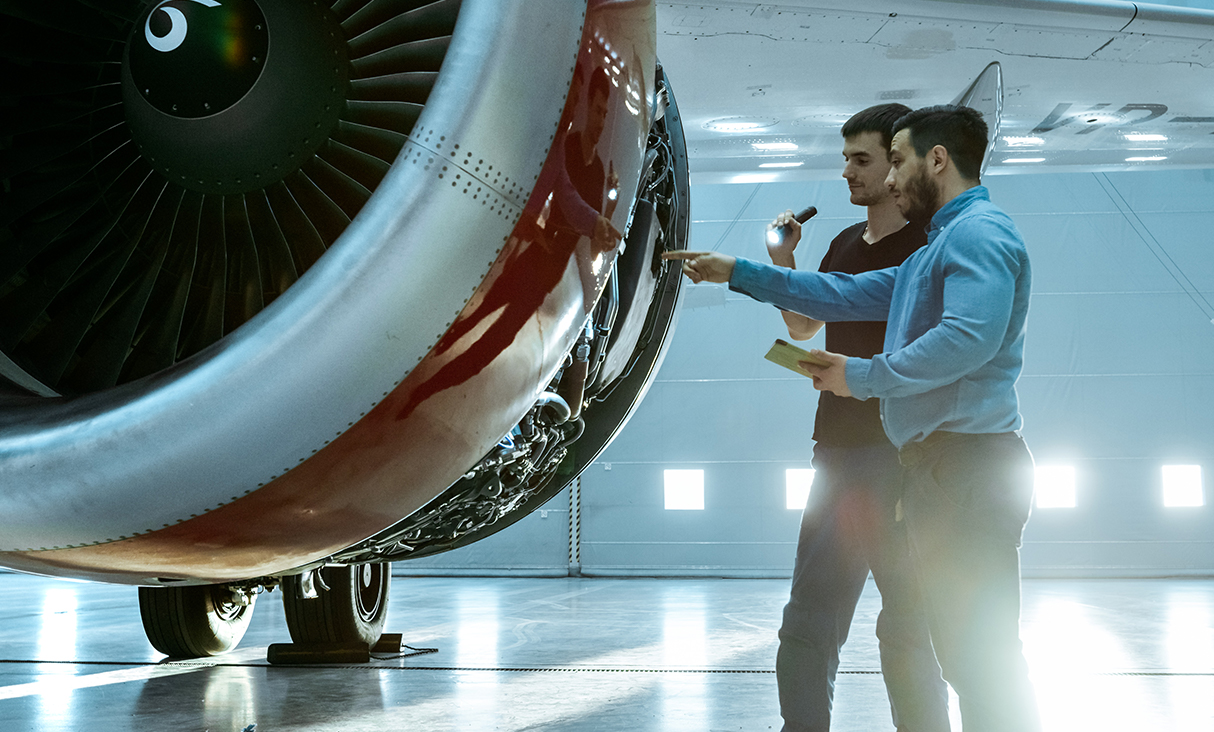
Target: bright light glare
x,y
735,126
752,178
797,482
1152,159
1145,137
781,165
684,490
774,146
1054,486
1023,141
738,124
1024,160
1182,486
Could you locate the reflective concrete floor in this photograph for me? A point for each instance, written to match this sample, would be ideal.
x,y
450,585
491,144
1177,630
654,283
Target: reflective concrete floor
x,y
580,654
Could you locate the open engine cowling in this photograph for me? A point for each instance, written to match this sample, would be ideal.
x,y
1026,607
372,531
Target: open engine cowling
x,y
256,321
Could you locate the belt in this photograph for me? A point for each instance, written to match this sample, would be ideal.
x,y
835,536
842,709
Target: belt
x,y
913,453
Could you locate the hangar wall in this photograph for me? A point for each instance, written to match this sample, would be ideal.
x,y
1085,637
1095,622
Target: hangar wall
x,y
1118,381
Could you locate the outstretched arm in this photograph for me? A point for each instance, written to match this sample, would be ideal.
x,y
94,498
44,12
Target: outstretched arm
x,y
704,266
827,296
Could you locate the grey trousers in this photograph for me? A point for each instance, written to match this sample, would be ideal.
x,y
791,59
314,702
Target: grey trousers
x,y
966,501
848,527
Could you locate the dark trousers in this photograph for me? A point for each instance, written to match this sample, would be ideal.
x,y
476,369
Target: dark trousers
x,y
849,527
967,499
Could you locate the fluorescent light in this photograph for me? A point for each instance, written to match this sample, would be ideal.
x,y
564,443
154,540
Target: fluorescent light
x,y
684,490
1153,159
1182,486
738,124
782,165
1144,137
752,178
1023,141
774,146
1024,160
1054,486
797,482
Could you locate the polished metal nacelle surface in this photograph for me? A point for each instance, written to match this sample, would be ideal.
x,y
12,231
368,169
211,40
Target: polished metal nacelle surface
x,y
217,427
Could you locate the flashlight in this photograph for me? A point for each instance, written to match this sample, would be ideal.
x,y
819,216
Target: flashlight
x,y
775,236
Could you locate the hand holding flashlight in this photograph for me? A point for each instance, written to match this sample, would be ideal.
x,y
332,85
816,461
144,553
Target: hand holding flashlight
x,y
778,230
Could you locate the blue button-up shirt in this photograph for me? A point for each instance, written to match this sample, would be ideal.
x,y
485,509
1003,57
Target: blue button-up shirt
x,y
956,309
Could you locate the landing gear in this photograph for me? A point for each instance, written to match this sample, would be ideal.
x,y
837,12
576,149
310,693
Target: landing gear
x,y
344,604
196,621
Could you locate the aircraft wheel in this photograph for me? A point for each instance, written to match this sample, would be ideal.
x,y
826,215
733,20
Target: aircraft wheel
x,y
352,609
195,621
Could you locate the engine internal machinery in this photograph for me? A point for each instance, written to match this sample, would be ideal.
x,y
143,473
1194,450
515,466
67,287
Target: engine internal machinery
x,y
599,385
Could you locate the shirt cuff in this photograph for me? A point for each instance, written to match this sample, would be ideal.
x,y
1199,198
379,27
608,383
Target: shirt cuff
x,y
856,372
743,276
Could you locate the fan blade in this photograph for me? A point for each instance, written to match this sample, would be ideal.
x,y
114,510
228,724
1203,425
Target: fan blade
x,y
367,170
204,309
22,40
325,215
155,346
52,271
39,148
122,9
430,21
345,8
394,116
410,86
104,350
83,167
47,80
424,55
244,298
74,309
52,208
277,265
378,12
382,144
302,238
337,186
79,22
69,108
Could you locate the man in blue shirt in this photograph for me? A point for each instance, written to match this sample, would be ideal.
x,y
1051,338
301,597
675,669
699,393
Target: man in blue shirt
x,y
954,346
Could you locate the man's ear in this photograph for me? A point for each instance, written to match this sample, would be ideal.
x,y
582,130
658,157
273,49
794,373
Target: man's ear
x,y
938,158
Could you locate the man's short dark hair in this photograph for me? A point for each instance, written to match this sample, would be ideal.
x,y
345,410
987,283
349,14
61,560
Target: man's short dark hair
x,y
961,130
880,119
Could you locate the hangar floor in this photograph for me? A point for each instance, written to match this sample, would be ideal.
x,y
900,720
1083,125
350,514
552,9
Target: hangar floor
x,y
579,654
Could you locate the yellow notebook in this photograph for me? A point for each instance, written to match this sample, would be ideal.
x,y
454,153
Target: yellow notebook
x,y
787,355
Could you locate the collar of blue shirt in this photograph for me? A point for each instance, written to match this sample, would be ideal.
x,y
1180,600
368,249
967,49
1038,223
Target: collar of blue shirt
x,y
953,209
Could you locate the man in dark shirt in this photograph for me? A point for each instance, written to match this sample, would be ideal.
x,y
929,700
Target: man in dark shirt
x,y
850,524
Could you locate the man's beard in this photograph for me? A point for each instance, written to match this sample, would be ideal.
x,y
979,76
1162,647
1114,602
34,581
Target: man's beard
x,y
920,196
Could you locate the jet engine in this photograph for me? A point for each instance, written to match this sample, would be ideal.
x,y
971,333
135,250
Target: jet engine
x,y
292,289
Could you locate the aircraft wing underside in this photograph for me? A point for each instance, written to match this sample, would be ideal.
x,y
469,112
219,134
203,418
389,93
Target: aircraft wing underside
x,y
1087,85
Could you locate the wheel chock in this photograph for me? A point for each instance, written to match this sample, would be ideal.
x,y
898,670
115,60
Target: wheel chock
x,y
295,653
391,643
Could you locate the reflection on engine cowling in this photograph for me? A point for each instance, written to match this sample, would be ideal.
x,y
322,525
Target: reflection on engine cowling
x,y
598,386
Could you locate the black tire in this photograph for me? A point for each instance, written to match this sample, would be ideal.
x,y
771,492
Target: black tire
x,y
193,622
352,610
